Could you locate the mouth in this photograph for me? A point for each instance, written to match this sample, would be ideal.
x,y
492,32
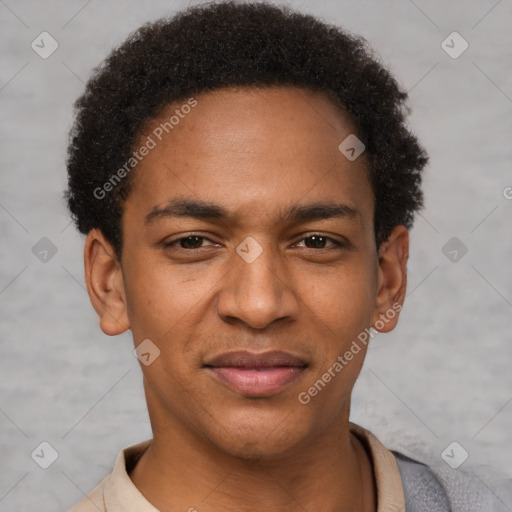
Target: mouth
x,y
256,375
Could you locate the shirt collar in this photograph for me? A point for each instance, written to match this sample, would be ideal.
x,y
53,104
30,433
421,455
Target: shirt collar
x,y
390,492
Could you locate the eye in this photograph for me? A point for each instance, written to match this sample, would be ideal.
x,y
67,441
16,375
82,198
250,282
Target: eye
x,y
318,241
190,242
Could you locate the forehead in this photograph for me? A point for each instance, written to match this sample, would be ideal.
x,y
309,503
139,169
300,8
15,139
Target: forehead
x,y
251,148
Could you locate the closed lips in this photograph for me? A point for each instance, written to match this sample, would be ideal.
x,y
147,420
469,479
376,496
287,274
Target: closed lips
x,y
249,360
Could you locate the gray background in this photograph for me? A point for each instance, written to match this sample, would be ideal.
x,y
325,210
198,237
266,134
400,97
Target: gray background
x,y
443,375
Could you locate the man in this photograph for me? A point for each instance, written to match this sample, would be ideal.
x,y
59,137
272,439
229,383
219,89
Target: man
x,y
246,182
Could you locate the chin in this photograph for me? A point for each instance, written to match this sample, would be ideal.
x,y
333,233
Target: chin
x,y
256,435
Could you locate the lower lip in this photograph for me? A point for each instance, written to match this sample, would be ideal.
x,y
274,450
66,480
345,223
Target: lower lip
x,y
262,382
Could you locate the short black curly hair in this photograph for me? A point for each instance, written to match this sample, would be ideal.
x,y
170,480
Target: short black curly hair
x,y
228,44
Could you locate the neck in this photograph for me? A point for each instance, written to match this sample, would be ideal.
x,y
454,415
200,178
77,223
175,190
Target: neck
x,y
331,473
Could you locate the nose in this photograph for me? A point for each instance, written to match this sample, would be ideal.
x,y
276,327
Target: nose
x,y
258,292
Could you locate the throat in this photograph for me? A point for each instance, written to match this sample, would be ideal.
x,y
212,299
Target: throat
x,y
165,489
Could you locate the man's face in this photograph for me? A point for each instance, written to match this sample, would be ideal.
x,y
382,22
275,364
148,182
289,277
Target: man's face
x,y
253,281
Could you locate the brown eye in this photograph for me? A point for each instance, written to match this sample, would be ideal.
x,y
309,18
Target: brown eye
x,y
317,241
190,242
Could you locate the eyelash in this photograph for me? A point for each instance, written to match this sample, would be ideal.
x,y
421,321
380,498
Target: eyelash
x,y
336,243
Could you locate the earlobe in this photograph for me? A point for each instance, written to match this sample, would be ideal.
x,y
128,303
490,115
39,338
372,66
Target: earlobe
x,y
105,285
392,282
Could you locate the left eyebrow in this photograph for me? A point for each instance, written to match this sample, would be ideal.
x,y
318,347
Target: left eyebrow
x,y
302,213
203,210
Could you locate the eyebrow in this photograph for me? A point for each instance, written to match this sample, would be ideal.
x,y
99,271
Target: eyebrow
x,y
203,210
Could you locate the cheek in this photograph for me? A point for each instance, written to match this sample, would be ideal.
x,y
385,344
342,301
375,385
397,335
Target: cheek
x,y
341,310
341,301
169,303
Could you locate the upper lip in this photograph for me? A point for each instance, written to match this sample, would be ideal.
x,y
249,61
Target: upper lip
x,y
246,359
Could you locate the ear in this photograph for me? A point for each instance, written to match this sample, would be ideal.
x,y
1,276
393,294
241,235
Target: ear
x,y
392,279
104,280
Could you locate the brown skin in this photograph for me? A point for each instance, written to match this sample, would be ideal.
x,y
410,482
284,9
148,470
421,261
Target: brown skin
x,y
254,152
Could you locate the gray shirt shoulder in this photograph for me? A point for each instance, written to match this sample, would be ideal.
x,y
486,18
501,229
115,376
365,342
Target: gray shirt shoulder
x,y
442,489
422,490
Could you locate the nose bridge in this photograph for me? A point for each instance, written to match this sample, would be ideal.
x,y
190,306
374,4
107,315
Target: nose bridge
x,y
256,290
